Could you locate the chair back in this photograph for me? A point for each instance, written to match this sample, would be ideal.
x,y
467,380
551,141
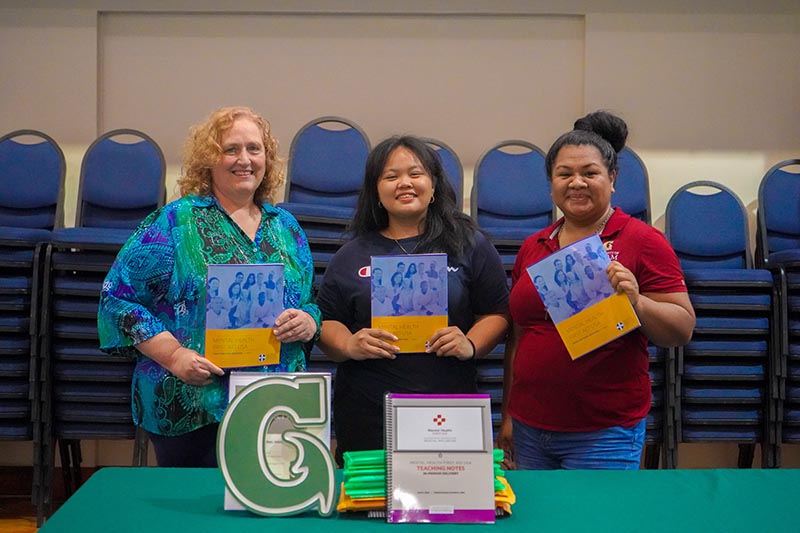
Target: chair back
x,y
452,167
121,182
31,181
778,210
632,186
326,163
511,191
708,230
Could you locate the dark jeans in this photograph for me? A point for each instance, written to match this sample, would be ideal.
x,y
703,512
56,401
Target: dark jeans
x,y
197,448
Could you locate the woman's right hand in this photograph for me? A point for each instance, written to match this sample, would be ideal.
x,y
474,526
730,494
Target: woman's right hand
x,y
192,368
371,343
506,443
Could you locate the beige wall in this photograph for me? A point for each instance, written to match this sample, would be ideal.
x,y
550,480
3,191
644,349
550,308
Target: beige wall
x,y
709,89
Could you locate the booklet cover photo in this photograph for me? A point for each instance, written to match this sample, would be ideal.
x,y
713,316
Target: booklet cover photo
x,y
579,299
242,303
409,297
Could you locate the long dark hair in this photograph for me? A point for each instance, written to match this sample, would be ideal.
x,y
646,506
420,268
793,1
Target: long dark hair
x,y
446,228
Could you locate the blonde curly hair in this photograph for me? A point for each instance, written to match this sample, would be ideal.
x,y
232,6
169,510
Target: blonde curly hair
x,y
203,150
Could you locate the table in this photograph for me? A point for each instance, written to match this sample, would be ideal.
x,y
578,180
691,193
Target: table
x,y
152,500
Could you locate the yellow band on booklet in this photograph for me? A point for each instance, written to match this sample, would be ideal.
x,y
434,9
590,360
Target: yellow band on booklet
x,y
598,325
229,348
412,331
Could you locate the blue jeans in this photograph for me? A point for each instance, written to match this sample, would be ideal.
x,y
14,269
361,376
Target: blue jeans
x,y
615,448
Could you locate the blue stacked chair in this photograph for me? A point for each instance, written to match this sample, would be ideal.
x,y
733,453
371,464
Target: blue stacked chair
x,y
490,381
510,200
510,197
778,249
324,176
632,195
452,167
632,186
724,387
659,423
32,171
87,393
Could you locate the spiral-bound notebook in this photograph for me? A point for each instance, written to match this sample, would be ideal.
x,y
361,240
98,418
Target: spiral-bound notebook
x,y
439,460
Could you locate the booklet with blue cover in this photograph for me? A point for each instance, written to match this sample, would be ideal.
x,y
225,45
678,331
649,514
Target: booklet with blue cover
x,y
242,303
409,297
579,299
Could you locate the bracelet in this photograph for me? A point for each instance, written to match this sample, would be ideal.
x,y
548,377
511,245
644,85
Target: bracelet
x,y
474,351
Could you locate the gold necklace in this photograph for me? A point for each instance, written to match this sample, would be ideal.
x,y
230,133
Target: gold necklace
x,y
600,227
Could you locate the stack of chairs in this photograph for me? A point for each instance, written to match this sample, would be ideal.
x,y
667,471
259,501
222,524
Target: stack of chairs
x,y
632,186
778,249
656,443
510,197
632,195
32,170
325,173
723,385
86,394
490,381
510,200
326,169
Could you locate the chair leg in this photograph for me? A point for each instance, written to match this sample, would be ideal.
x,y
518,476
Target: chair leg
x,y
66,466
652,455
140,446
746,454
77,476
70,451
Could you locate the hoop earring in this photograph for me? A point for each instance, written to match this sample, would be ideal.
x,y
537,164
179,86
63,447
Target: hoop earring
x,y
380,205
432,199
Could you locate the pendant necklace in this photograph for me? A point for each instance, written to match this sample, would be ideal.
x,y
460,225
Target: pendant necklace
x,y
414,249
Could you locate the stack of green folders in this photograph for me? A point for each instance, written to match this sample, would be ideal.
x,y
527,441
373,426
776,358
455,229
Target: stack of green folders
x,y
364,484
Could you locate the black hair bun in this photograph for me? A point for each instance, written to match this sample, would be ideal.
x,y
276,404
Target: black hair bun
x,y
610,127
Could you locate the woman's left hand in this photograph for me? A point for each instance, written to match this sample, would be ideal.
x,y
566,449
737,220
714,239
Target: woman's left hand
x,y
451,342
294,325
623,280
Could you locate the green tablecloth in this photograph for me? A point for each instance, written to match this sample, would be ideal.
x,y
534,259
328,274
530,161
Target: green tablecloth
x,y
117,500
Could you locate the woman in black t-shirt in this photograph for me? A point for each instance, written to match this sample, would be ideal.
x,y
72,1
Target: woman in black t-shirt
x,y
406,206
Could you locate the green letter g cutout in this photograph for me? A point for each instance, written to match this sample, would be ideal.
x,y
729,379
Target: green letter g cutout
x,y
242,438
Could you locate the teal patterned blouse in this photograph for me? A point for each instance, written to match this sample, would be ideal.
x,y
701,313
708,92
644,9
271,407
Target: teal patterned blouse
x,y
158,283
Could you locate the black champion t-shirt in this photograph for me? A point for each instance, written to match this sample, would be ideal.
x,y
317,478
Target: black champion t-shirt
x,y
476,286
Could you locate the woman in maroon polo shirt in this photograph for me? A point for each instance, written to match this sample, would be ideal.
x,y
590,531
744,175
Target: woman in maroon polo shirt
x,y
589,412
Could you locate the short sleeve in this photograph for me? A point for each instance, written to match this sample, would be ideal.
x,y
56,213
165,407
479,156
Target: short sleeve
x,y
331,301
659,267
